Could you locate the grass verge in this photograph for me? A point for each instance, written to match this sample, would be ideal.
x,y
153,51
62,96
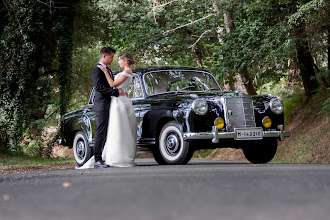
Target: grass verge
x,y
24,160
310,131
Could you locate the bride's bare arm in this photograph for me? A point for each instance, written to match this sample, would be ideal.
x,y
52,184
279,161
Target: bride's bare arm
x,y
112,83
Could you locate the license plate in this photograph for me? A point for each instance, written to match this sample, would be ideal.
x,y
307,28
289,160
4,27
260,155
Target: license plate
x,y
248,134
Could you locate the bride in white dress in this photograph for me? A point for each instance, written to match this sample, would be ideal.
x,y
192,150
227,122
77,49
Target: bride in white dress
x,y
120,146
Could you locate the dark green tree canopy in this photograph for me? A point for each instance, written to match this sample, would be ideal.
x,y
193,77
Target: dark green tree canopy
x,y
49,48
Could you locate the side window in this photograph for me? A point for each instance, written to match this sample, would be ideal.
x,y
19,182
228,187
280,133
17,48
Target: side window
x,y
137,85
134,91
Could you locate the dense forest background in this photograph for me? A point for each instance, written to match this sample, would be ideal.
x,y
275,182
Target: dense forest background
x,y
49,48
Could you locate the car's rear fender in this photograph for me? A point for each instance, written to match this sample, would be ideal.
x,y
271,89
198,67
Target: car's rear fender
x,y
75,124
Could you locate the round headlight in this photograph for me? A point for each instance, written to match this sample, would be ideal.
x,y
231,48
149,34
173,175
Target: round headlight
x,y
200,107
276,106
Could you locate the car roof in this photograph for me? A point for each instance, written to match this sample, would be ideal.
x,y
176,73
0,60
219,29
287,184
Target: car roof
x,y
143,70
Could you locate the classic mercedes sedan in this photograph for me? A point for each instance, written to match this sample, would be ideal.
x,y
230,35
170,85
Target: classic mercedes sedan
x,y
180,110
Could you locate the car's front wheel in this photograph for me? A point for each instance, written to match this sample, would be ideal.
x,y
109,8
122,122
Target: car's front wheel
x,y
261,151
171,148
81,151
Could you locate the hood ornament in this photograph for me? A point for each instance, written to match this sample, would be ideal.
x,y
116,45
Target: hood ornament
x,y
238,93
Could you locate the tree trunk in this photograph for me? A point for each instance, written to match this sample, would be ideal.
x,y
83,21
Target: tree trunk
x,y
325,77
65,54
305,60
198,57
247,81
244,72
228,18
329,48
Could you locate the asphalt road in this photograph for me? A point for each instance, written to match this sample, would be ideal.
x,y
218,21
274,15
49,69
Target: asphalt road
x,y
199,190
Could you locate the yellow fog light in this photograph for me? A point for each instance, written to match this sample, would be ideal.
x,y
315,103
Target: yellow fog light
x,y
219,122
267,122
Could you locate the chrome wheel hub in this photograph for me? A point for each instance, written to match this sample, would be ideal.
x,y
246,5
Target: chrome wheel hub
x,y
81,149
172,144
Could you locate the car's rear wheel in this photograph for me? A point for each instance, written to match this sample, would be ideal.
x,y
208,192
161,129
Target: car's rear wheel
x,y
171,148
261,151
81,151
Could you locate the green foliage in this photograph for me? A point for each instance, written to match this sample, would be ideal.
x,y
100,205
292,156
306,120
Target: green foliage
x,y
192,33
291,105
326,107
84,60
49,48
30,40
284,88
318,104
326,104
33,148
324,77
204,153
25,160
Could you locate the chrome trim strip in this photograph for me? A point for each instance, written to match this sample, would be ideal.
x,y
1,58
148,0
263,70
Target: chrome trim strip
x,y
223,101
215,135
146,141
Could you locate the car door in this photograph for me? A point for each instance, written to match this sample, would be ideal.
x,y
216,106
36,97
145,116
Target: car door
x,y
89,112
135,93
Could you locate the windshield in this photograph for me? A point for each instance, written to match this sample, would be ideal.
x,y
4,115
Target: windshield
x,y
172,81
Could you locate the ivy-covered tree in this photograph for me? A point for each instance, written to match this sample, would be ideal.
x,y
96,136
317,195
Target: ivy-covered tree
x,y
36,49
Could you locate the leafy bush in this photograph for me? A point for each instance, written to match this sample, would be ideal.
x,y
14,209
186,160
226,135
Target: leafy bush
x,y
291,104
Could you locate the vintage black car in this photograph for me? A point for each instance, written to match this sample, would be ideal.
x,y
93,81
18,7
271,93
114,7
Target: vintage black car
x,y
180,110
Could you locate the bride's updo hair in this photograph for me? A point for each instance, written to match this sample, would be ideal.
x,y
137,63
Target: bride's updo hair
x,y
127,56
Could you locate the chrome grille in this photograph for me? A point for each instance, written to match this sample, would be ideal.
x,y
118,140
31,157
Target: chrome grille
x,y
240,112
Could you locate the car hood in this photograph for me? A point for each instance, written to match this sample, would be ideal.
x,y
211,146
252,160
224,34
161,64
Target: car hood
x,y
260,102
196,95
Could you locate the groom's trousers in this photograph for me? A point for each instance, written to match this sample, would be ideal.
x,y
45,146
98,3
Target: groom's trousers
x,y
102,120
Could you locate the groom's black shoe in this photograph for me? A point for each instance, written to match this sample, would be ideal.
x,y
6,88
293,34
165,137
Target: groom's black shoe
x,y
100,164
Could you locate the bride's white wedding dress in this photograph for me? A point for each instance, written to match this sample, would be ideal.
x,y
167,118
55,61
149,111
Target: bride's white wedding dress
x,y
120,146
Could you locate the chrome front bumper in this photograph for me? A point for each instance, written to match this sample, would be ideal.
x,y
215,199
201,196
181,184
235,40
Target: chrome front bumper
x,y
215,135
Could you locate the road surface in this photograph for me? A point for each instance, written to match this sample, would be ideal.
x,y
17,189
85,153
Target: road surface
x,y
200,190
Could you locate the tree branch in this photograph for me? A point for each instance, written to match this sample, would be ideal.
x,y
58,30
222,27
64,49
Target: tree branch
x,y
194,45
193,22
166,4
48,116
155,6
51,4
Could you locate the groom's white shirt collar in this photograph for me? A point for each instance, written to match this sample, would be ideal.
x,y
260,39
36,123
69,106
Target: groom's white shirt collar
x,y
103,64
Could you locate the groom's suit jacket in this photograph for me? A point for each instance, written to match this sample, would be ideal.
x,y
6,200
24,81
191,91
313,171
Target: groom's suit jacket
x,y
103,91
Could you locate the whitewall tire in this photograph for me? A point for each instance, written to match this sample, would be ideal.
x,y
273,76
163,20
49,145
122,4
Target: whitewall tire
x,y
171,149
81,151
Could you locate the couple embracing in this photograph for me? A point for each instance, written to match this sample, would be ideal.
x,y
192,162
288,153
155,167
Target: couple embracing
x,y
115,136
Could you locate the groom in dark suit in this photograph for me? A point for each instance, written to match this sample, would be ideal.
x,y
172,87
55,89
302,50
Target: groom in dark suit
x,y
103,93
